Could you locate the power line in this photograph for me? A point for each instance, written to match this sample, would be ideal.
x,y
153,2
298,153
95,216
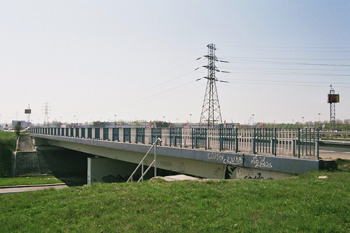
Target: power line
x,y
289,63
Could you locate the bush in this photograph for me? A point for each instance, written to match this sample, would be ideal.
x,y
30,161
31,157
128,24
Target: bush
x,y
7,145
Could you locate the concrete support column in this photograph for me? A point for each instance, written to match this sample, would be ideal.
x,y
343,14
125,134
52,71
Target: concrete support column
x,y
133,135
110,134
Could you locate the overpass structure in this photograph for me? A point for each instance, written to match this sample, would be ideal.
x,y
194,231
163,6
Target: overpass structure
x,y
210,153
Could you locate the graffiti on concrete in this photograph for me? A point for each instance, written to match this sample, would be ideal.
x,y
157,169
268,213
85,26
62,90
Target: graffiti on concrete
x,y
244,173
229,159
257,177
218,171
230,172
216,156
114,179
181,167
233,160
260,162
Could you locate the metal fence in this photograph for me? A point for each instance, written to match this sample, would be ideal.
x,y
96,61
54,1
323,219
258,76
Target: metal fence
x,y
268,141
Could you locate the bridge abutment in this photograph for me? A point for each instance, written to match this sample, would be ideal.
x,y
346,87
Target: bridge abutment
x,y
105,170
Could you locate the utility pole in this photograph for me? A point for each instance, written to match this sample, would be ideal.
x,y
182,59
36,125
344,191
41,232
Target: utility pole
x,y
211,112
28,111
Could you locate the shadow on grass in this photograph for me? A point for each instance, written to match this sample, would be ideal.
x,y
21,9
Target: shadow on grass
x,y
72,179
343,165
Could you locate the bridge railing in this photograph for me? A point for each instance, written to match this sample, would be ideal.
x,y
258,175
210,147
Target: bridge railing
x,y
269,141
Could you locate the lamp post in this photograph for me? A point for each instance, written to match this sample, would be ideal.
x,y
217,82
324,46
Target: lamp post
x,y
319,117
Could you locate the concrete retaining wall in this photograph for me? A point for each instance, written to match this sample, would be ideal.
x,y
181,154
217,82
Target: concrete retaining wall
x,y
49,160
25,163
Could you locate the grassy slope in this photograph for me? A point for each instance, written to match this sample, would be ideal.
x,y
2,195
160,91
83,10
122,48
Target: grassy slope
x,y
7,145
299,204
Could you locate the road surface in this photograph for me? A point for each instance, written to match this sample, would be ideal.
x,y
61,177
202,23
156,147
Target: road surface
x,y
334,152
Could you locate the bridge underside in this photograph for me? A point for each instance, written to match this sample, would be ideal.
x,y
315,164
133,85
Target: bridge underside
x,y
116,160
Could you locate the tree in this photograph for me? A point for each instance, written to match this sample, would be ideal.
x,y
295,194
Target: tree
x,y
18,128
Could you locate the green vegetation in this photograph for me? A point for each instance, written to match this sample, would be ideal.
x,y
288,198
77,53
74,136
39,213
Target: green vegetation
x,y
304,203
7,145
29,180
343,165
18,129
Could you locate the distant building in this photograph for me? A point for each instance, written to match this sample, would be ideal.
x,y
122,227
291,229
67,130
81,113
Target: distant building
x,y
22,123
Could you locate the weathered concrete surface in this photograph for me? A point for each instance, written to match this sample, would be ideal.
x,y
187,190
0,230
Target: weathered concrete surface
x,y
250,173
25,163
25,144
178,178
28,188
106,170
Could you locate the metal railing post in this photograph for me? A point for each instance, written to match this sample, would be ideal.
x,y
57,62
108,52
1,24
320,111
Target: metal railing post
x,y
207,139
275,143
236,140
192,137
318,145
155,158
299,143
153,163
142,170
254,141
220,139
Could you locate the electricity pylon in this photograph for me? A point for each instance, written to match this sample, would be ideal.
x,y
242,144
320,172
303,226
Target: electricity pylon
x,y
211,112
46,112
332,100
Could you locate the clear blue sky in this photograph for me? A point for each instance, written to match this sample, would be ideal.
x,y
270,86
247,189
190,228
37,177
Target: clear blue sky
x,y
137,59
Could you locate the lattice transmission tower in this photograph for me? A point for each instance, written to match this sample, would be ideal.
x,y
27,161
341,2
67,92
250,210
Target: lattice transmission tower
x,y
332,100
211,112
46,112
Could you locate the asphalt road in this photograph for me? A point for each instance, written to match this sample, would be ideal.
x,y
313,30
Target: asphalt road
x,y
334,152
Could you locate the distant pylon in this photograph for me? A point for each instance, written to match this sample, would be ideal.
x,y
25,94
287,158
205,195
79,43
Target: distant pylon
x,y
332,100
211,112
46,112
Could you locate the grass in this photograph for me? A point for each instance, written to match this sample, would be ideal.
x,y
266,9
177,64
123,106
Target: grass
x,y
7,145
304,203
343,165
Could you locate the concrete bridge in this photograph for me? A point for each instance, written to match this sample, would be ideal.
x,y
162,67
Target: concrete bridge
x,y
115,152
